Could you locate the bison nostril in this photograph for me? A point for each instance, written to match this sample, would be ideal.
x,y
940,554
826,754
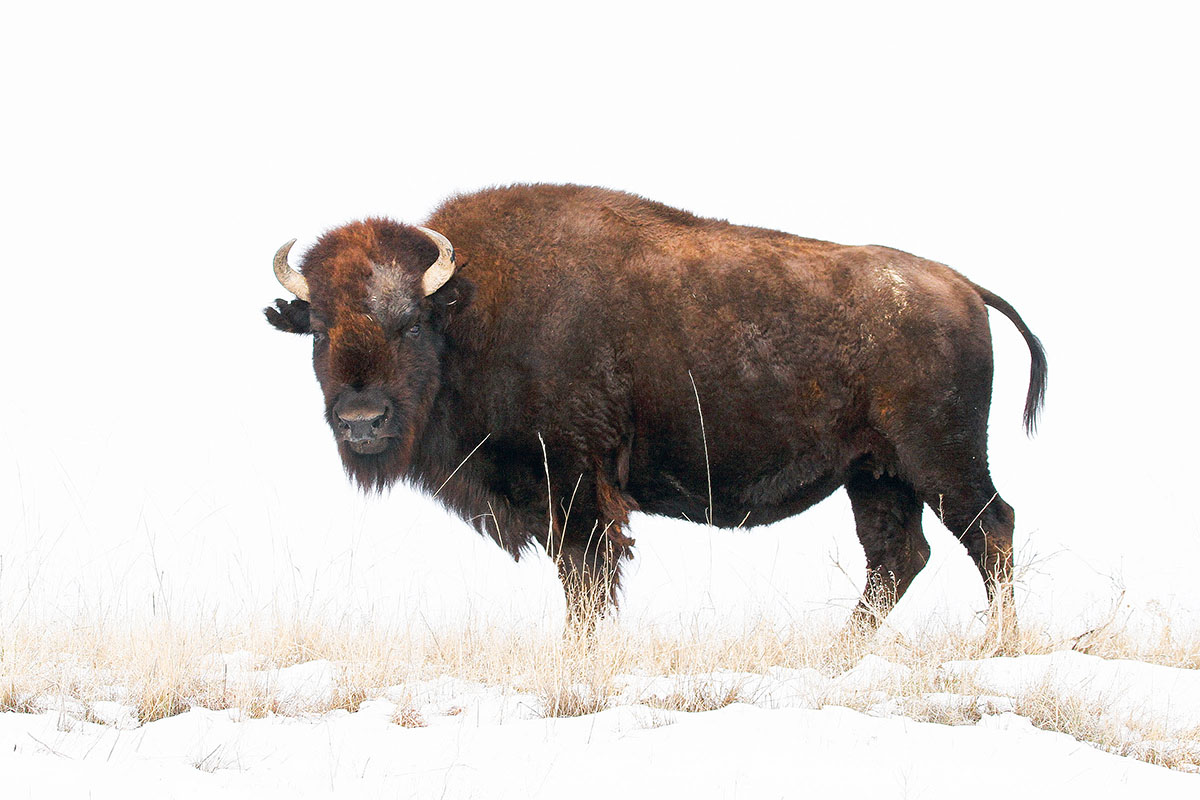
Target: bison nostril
x,y
361,417
362,424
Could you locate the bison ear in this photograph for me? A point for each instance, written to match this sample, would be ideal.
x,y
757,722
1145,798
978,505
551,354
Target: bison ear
x,y
290,316
454,295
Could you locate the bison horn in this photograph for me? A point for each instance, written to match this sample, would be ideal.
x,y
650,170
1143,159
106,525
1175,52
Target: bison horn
x,y
293,281
436,276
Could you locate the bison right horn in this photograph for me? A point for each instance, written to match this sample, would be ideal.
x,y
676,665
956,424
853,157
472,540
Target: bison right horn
x,y
436,276
293,281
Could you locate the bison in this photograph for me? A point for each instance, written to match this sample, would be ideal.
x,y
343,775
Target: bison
x,y
547,359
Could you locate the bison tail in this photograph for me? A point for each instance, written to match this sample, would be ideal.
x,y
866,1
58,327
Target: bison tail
x,y
1035,398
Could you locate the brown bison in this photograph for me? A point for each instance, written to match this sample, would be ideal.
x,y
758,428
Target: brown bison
x,y
547,359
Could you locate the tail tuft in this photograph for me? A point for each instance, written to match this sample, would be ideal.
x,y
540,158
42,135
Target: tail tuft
x,y
1035,398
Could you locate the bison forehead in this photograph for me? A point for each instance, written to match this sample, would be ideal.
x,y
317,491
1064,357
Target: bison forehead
x,y
392,294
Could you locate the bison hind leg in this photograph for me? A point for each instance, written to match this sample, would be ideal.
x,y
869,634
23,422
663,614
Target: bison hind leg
x,y
887,515
984,523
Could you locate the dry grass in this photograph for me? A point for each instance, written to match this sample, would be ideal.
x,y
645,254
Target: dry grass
x,y
408,717
17,700
1140,737
161,700
163,670
934,696
702,697
572,701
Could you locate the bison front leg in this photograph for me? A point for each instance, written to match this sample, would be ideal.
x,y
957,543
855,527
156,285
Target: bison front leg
x,y
591,578
590,565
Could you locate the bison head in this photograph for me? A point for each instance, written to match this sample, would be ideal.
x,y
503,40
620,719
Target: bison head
x,y
376,297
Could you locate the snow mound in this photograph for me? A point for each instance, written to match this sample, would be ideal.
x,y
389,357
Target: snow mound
x,y
1167,695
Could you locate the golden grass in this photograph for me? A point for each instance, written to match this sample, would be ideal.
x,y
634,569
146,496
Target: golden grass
x,y
408,717
1138,736
701,697
162,669
17,700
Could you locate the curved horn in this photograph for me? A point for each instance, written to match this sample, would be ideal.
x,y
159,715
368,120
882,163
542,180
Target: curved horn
x,y
293,281
436,276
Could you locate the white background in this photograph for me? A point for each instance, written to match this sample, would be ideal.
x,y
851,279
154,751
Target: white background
x,y
162,449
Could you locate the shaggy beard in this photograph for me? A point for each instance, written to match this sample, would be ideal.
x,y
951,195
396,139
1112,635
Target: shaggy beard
x,y
376,472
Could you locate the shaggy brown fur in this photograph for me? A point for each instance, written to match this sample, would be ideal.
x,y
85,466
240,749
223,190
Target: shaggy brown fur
x,y
587,333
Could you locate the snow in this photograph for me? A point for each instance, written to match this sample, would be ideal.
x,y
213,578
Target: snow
x,y
739,750
472,740
1167,695
872,672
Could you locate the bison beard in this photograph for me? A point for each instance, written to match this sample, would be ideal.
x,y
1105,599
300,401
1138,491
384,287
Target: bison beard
x,y
592,353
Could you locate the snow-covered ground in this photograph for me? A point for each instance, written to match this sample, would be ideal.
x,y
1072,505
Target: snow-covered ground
x,y
449,738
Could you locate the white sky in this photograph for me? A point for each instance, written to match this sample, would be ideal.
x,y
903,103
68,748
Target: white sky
x,y
162,448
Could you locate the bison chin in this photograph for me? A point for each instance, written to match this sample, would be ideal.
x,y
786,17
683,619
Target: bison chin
x,y
375,471
371,448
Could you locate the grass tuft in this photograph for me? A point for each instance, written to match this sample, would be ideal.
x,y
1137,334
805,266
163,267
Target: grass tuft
x,y
409,717
572,701
701,697
18,701
160,703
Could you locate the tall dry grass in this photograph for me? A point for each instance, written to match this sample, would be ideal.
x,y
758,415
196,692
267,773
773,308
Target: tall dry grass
x,y
163,669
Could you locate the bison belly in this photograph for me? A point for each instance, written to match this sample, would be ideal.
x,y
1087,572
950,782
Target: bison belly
x,y
743,452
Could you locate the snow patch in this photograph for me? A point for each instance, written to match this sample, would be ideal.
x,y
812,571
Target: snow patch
x,y
1168,695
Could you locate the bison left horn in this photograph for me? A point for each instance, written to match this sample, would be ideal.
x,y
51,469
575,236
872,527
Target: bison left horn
x,y
436,276
293,281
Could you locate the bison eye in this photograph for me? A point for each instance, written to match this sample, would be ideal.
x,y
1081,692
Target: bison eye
x,y
414,331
